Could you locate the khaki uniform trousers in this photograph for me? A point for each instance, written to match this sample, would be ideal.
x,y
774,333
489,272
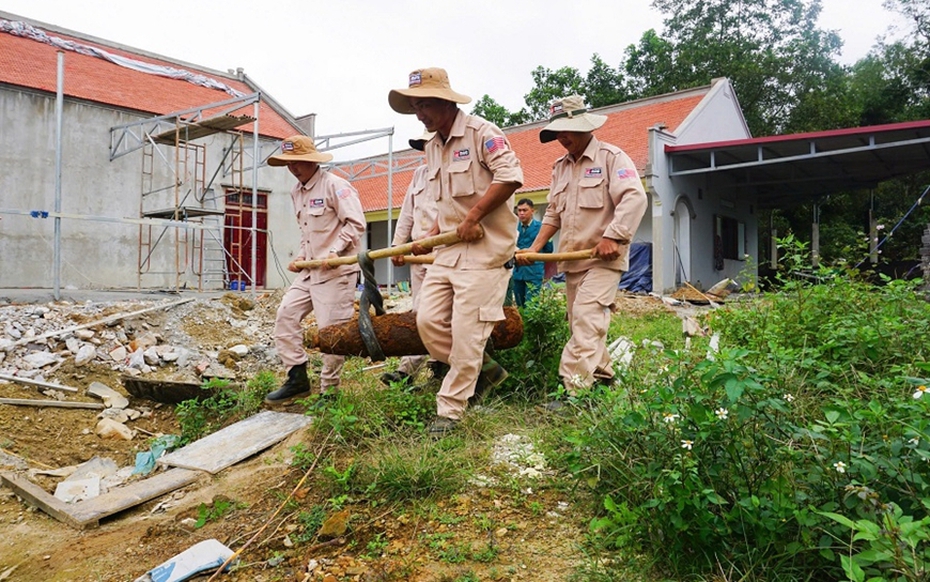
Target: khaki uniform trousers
x,y
410,364
590,295
456,315
332,301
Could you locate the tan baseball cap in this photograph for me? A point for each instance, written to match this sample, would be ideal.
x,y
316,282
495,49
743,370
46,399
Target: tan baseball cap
x,y
298,148
419,143
570,114
431,82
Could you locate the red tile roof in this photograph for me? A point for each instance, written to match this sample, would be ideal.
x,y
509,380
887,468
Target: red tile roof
x,y
32,64
627,126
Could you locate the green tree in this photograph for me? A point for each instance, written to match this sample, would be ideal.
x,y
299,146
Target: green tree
x,y
771,50
603,85
550,85
489,109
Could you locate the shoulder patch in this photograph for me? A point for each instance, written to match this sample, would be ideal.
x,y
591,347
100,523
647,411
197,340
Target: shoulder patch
x,y
626,173
343,193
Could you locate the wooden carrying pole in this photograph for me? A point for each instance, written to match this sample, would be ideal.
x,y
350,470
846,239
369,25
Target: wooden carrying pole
x,y
446,238
540,257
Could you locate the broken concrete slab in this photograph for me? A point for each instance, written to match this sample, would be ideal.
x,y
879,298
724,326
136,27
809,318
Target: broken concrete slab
x,y
110,397
74,490
213,453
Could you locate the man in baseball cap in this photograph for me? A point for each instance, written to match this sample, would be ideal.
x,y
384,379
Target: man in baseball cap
x,y
475,173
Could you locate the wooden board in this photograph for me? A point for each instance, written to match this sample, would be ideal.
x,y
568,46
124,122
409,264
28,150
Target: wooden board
x,y
89,513
230,445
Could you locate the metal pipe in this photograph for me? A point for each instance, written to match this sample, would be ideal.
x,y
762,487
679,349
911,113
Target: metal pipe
x,y
254,229
390,208
59,114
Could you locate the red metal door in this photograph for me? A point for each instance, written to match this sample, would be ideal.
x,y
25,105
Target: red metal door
x,y
237,237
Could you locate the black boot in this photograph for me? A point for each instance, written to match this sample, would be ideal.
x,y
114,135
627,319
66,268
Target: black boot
x,y
438,369
297,384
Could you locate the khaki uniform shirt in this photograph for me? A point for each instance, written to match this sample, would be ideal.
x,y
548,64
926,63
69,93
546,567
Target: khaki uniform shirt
x,y
418,212
475,155
598,195
330,216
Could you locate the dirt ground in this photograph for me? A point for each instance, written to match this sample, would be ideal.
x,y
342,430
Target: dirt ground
x,y
540,542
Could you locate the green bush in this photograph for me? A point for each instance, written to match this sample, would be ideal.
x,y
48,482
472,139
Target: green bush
x,y
801,450
228,403
534,363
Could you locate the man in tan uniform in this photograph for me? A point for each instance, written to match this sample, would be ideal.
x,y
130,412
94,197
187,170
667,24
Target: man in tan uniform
x,y
331,221
597,201
417,217
473,175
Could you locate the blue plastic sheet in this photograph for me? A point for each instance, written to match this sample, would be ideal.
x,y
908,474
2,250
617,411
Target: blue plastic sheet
x,y
639,278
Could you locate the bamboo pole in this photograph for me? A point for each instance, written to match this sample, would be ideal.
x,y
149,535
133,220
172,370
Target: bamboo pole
x,y
540,257
446,238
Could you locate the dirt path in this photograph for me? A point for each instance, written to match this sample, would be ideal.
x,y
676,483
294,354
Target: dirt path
x,y
533,528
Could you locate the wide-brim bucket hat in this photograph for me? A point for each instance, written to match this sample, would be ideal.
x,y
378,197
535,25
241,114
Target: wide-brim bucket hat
x,y
570,114
430,82
419,143
298,148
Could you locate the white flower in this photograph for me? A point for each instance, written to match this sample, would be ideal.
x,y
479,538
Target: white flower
x,y
722,413
840,466
686,444
879,227
920,391
669,417
788,397
914,441
577,381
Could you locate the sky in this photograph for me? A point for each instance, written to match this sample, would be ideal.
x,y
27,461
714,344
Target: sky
x,y
339,59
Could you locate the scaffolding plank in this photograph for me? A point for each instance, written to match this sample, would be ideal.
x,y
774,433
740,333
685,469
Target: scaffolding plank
x,y
238,441
89,513
192,131
182,212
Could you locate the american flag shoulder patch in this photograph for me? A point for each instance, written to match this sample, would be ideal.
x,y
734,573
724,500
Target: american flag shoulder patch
x,y
495,143
625,173
343,193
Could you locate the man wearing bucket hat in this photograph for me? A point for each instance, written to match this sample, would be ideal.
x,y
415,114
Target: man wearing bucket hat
x,y
596,200
473,174
331,221
417,217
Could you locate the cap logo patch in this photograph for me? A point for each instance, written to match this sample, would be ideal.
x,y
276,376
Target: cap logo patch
x,y
415,79
287,146
556,108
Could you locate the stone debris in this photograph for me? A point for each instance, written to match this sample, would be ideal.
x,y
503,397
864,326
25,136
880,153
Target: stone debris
x,y
111,398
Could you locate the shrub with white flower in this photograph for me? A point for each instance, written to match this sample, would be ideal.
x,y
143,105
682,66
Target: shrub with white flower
x,y
687,445
669,417
788,397
920,391
722,413
840,466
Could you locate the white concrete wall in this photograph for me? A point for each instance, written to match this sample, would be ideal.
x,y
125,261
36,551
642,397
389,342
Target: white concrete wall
x,y
96,254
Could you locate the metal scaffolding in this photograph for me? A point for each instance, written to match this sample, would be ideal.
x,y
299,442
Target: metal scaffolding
x,y
188,197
